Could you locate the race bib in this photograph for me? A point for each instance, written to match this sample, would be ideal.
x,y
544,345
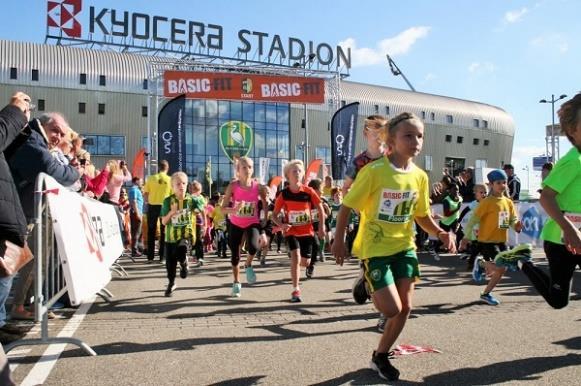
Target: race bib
x,y
247,209
396,206
299,217
315,215
181,218
575,219
503,219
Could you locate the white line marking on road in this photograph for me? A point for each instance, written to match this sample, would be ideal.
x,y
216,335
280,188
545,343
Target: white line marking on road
x,y
42,368
16,354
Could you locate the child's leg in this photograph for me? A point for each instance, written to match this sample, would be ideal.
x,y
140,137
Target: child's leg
x,y
295,268
171,261
556,288
252,235
395,302
495,275
234,240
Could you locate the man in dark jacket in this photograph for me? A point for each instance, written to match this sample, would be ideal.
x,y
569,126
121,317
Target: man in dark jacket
x,y
13,119
26,163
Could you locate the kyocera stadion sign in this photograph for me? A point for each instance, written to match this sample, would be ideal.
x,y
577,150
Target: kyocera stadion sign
x,y
73,20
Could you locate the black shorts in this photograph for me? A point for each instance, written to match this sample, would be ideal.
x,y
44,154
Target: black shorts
x,y
304,243
490,250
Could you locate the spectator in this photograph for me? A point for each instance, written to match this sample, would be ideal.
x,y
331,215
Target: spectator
x,y
13,119
466,183
157,188
26,163
119,174
136,213
547,167
328,186
513,182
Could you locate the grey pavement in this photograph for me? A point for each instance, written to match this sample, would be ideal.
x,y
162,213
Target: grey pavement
x,y
202,336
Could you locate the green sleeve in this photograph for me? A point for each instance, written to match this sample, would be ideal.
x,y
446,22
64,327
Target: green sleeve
x,y
474,219
165,207
562,175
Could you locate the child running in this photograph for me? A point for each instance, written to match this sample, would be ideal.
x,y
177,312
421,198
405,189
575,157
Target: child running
x,y
319,243
562,232
177,215
297,201
390,193
480,192
495,214
244,193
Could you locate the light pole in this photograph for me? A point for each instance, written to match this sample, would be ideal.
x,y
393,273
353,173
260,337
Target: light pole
x,y
307,59
528,170
552,102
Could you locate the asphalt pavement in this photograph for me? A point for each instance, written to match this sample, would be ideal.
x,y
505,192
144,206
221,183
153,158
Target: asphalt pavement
x,y
202,336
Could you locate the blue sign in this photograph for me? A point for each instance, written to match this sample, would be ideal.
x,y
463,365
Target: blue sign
x,y
539,161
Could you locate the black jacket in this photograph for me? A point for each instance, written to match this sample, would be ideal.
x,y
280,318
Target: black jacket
x,y
12,221
31,159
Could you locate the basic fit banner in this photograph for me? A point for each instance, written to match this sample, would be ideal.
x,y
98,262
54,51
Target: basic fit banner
x,y
88,238
171,135
343,132
243,87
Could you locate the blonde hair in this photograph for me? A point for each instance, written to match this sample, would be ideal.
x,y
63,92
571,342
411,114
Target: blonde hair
x,y
178,176
376,124
292,163
480,187
196,186
247,160
113,168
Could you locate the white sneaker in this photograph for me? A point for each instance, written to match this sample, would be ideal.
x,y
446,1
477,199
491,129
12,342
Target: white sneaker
x,y
236,290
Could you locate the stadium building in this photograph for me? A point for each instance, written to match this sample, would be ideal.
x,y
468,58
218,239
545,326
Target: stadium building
x,y
107,97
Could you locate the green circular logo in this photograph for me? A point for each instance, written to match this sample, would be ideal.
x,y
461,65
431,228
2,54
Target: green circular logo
x,y
376,274
236,139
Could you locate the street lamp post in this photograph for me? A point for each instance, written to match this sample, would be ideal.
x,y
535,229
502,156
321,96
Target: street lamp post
x,y
552,102
528,170
305,60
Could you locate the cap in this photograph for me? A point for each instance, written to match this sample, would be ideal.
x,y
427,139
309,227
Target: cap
x,y
496,175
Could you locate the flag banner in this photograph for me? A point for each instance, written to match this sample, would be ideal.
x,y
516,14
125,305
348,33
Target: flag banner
x,y
171,135
138,168
313,170
282,165
343,132
88,238
274,183
263,165
409,349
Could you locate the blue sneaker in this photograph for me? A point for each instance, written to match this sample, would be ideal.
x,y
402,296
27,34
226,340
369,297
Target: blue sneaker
x,y
250,275
510,258
488,298
477,270
236,290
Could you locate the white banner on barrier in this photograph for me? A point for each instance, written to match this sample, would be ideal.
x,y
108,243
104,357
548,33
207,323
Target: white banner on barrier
x,y
263,166
531,214
88,238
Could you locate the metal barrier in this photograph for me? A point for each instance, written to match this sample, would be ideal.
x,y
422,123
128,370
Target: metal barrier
x,y
49,283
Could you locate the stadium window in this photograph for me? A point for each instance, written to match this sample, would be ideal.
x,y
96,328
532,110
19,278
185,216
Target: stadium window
x,y
448,138
105,145
82,107
102,80
35,75
486,142
324,153
459,139
83,78
476,123
475,141
40,105
144,111
386,110
423,115
485,124
433,116
101,108
13,73
376,109
145,84
449,119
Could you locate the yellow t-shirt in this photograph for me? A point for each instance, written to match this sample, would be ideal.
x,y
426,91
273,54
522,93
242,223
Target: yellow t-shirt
x,y
388,200
495,216
158,187
219,218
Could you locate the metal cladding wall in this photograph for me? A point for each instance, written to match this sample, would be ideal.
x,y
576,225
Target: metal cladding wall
x,y
124,96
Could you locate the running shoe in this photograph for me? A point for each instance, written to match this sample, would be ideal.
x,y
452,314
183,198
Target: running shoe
x,y
184,269
488,298
381,322
322,257
201,262
250,275
510,258
171,287
296,296
309,271
359,288
380,363
236,290
478,271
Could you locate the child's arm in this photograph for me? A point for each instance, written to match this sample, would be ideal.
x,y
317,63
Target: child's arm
x,y
474,219
338,248
173,210
429,225
571,236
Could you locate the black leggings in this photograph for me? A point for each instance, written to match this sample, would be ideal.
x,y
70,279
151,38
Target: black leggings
x,y
555,288
174,253
235,238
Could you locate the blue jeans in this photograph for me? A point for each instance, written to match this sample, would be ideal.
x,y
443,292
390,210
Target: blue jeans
x,y
5,286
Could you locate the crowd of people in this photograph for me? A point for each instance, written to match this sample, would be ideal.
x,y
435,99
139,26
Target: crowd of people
x,y
376,215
